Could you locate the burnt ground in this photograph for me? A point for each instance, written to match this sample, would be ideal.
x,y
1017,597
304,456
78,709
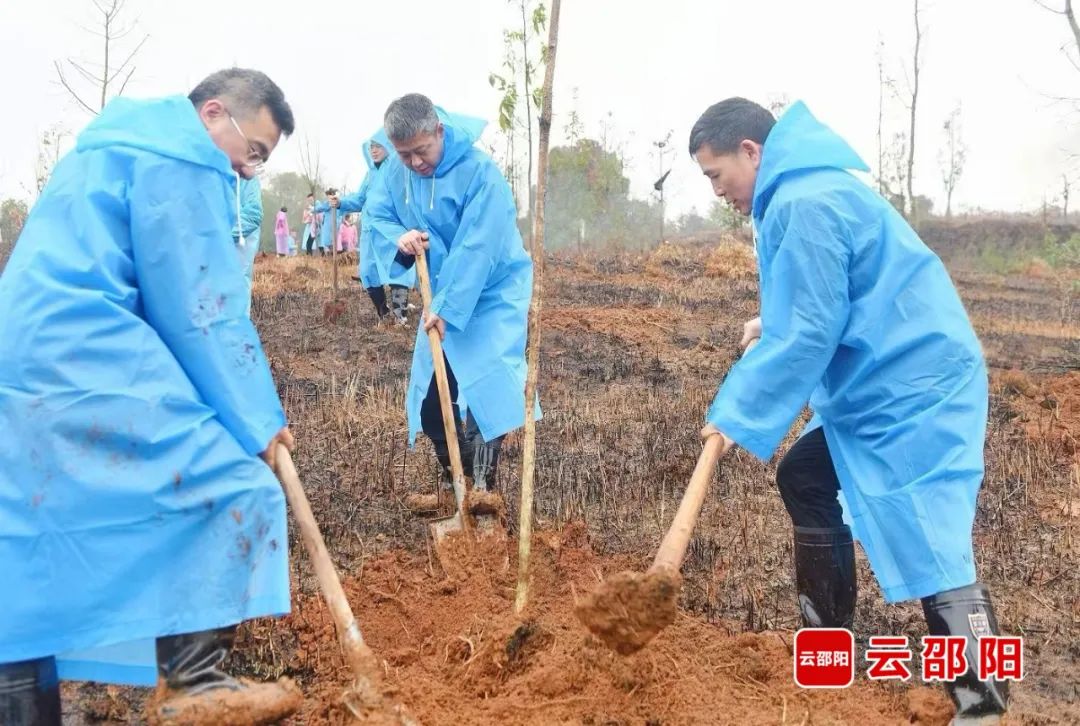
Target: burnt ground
x,y
633,348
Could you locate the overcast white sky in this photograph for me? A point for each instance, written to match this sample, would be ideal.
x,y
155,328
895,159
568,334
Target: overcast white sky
x,y
654,65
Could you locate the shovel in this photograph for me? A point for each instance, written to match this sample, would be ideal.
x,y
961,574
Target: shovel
x,y
363,697
627,610
461,521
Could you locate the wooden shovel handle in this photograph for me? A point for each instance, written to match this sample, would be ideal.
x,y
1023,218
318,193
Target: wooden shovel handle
x,y
673,548
457,470
356,650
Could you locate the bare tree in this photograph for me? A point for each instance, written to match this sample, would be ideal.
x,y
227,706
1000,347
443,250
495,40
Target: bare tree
x,y
48,155
506,84
914,89
528,81
778,103
1070,17
101,77
537,250
1066,183
310,163
519,68
574,128
884,82
952,157
663,149
894,176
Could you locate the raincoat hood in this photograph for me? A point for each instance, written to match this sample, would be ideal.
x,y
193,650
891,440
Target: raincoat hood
x,y
799,142
461,132
166,126
380,138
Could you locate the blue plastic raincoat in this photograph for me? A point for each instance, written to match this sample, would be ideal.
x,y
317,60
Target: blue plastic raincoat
x,y
327,228
376,252
251,214
481,274
135,398
861,318
311,229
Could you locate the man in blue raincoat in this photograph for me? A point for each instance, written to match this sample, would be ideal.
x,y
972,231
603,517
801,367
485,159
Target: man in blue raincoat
x,y
327,230
312,225
376,252
138,523
860,319
443,197
246,233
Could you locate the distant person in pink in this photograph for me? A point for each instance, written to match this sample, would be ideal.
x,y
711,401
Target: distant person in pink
x,y
347,234
281,232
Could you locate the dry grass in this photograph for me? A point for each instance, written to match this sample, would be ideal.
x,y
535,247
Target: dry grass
x,y
635,345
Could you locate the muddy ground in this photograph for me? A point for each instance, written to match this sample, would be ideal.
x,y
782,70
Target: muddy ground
x,y
634,347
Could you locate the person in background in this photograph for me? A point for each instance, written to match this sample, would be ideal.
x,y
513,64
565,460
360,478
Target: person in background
x,y
292,243
312,223
347,234
246,232
281,232
377,252
326,227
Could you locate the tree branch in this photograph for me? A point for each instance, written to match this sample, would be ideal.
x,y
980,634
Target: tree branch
x,y
85,73
124,84
1044,6
120,68
70,90
1072,22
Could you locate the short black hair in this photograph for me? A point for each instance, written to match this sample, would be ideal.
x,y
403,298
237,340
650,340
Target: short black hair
x,y
311,194
246,91
284,209
331,190
725,125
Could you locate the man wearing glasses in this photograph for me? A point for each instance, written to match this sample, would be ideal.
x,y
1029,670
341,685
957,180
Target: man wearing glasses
x,y
138,523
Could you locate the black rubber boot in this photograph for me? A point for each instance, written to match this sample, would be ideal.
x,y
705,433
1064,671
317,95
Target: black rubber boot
x,y
825,576
399,303
968,611
378,298
191,662
483,456
442,454
193,690
30,693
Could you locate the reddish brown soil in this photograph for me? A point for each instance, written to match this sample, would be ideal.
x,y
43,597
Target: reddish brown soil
x,y
1048,407
453,652
259,703
628,609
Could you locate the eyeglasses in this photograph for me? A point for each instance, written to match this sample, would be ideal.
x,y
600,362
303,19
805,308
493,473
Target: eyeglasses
x,y
255,159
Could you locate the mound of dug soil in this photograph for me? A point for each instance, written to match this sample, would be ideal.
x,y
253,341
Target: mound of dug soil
x,y
453,652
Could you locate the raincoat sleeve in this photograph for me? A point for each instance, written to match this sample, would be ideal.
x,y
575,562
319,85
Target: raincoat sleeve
x,y
380,211
804,310
351,203
251,208
475,249
193,294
